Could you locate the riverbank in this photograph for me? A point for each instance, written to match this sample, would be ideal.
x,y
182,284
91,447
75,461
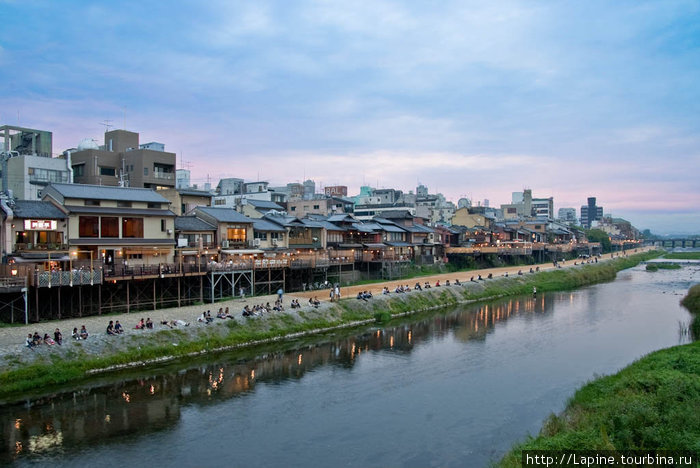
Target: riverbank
x,y
47,368
652,404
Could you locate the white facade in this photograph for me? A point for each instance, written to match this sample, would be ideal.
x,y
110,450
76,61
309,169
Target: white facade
x,y
28,175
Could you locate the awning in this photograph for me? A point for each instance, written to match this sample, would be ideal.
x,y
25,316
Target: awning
x,y
19,259
399,244
375,246
188,252
350,246
242,251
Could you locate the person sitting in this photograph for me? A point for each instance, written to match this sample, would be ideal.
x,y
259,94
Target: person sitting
x,y
472,279
490,276
48,340
75,335
208,317
406,289
520,272
141,325
386,290
83,333
29,342
480,278
361,296
531,270
58,337
437,284
426,285
246,311
447,282
316,302
417,287
457,282
110,328
506,274
368,294
36,338
149,323
118,328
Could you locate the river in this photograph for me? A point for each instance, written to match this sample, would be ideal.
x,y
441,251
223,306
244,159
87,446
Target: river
x,y
453,388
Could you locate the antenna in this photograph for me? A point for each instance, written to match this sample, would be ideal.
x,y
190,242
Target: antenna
x,y
107,124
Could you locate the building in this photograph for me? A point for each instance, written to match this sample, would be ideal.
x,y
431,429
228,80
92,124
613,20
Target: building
x,y
33,231
114,225
319,206
121,161
567,216
184,201
590,212
542,207
27,162
182,178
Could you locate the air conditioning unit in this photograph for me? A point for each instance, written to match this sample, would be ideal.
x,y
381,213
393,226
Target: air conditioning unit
x,y
224,244
274,242
256,242
170,232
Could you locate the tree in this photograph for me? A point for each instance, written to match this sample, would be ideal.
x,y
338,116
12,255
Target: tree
x,y
598,235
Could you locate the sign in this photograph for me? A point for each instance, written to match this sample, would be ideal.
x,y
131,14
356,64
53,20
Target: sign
x,y
336,191
40,225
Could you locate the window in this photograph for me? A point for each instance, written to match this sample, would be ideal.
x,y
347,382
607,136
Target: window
x,y
92,203
132,227
236,234
276,235
162,225
293,208
220,201
88,226
260,235
109,226
154,205
316,207
145,171
124,204
107,171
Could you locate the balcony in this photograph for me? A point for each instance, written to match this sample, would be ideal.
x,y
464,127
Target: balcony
x,y
161,175
24,247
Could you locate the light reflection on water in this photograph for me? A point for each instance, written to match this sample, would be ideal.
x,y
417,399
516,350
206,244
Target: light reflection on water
x,y
451,389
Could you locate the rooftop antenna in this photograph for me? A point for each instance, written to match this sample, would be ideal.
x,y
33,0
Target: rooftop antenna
x,y
107,124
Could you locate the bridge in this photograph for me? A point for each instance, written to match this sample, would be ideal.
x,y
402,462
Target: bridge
x,y
677,242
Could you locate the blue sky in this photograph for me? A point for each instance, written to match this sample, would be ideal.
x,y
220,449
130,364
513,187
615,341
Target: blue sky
x,y
471,98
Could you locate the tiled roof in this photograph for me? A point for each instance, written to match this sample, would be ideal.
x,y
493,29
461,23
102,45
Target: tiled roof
x,y
103,192
224,215
192,223
264,204
264,225
36,209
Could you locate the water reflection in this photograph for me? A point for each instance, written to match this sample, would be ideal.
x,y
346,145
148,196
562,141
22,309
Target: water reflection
x,y
154,403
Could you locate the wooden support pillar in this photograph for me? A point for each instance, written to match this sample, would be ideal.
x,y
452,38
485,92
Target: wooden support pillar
x,y
201,289
127,296
269,280
36,297
99,299
178,292
59,302
154,294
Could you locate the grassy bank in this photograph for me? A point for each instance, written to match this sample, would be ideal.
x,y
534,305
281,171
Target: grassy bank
x,y
54,370
652,404
662,266
692,302
683,255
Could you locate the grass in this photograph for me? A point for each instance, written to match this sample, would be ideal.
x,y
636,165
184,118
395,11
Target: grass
x,y
652,404
662,266
692,302
683,255
70,369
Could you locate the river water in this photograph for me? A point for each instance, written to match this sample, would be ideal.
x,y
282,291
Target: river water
x,y
454,388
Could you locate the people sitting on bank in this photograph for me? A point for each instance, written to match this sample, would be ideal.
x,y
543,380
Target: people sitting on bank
x,y
110,328
361,296
480,278
426,285
58,337
490,276
457,282
506,274
75,335
385,290
36,338
247,312
83,333
118,329
473,280
417,287
29,342
437,284
447,282
149,323
141,325
48,340
406,289
520,272
315,302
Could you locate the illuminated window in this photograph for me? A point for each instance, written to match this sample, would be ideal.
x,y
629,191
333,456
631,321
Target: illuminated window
x,y
236,234
88,226
132,227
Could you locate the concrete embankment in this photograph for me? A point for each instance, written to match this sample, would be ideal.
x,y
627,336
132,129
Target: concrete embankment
x,y
77,360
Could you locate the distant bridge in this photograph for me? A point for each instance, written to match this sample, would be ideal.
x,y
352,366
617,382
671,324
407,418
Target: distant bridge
x,y
672,243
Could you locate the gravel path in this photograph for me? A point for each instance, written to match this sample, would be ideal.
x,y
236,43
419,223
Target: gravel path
x,y
14,351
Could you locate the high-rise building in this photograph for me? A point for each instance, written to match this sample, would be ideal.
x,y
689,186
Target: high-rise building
x,y
567,215
590,212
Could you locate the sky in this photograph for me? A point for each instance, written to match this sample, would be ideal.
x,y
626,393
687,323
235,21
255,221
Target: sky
x,y
473,99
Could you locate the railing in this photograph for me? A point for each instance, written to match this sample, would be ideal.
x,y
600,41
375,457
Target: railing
x,y
47,279
13,282
163,175
23,247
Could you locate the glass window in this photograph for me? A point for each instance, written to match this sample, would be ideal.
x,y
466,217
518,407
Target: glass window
x,y
236,234
88,226
124,204
107,171
132,227
110,226
145,171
